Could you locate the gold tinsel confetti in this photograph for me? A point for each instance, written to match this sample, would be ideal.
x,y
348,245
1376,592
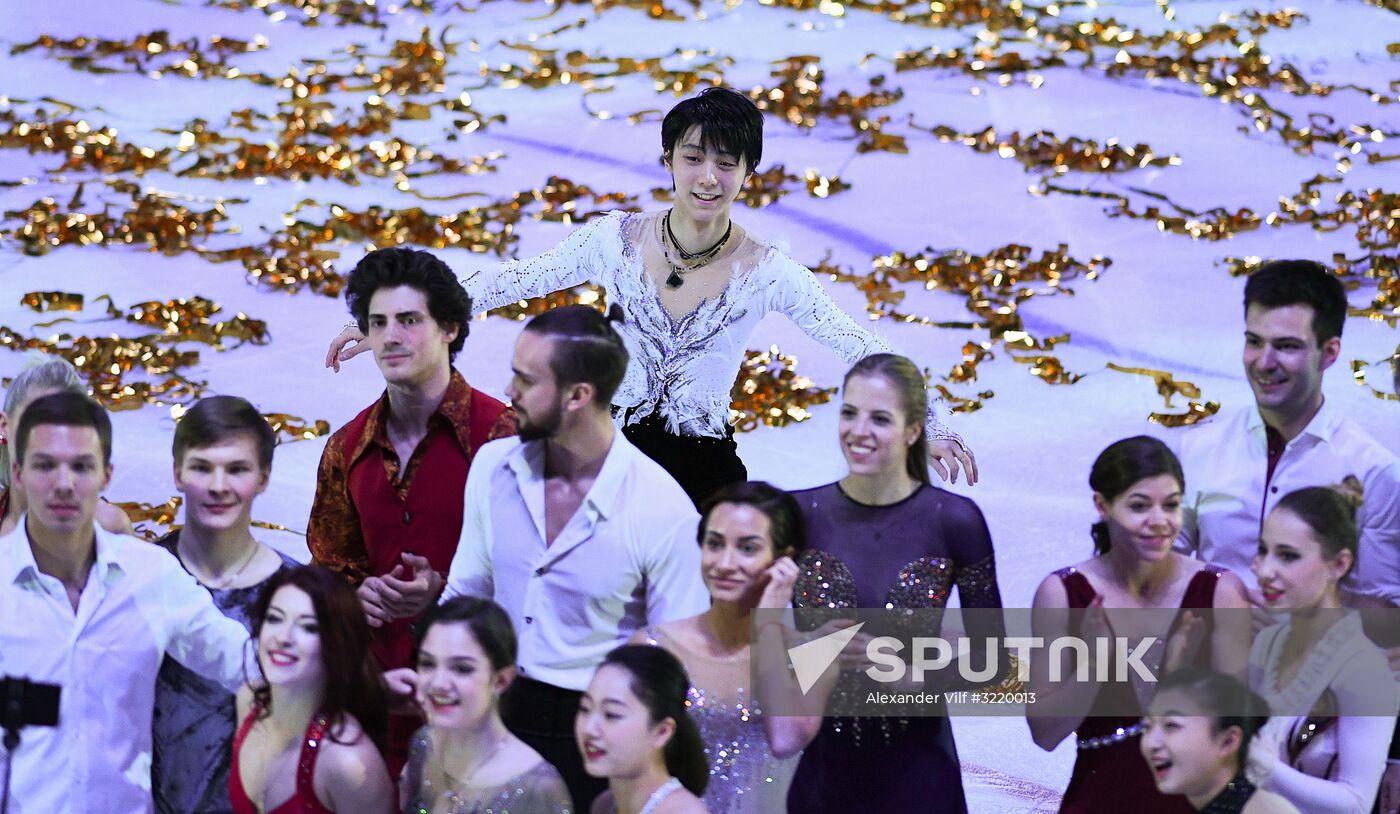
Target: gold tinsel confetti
x,y
301,255
769,391
107,362
52,301
152,520
291,428
1358,374
1043,150
153,54
154,220
1167,387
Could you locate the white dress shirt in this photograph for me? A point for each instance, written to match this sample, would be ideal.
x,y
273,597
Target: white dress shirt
x,y
1227,460
627,558
138,605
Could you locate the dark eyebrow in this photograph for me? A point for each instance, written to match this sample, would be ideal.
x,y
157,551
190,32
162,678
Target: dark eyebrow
x,y
1149,497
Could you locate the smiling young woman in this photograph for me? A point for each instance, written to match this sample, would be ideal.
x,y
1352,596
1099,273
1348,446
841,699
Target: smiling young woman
x,y
465,760
1324,753
311,732
693,286
749,534
1196,740
1137,486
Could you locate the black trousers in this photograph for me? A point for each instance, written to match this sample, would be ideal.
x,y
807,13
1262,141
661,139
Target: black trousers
x,y
702,466
542,715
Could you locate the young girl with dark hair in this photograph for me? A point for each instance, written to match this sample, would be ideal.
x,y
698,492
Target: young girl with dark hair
x,y
749,533
1196,740
694,286
1137,484
633,728
1325,750
465,761
312,728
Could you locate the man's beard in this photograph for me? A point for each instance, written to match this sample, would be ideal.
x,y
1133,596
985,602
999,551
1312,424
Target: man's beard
x,y
546,427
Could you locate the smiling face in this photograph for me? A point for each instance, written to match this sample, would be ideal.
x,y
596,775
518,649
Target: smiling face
x,y
457,687
219,483
614,730
62,477
1293,569
1144,519
1185,756
875,433
736,550
706,180
289,642
409,345
1284,362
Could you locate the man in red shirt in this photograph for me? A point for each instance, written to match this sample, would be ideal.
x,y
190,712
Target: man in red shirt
x,y
388,507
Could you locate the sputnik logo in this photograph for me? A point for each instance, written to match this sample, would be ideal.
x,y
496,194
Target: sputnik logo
x,y
811,659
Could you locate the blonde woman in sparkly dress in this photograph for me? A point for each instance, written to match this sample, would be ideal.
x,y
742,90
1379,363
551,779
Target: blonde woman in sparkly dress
x,y
693,286
749,533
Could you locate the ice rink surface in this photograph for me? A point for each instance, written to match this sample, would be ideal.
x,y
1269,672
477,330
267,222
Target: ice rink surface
x,y
1166,301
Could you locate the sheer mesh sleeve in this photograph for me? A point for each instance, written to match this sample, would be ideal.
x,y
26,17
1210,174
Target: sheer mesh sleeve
x,y
970,545
800,296
578,258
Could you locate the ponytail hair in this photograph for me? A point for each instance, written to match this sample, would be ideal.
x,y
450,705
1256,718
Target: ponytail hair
x,y
909,382
659,681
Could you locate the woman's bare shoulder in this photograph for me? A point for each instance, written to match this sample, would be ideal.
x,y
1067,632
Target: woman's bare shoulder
x,y
681,801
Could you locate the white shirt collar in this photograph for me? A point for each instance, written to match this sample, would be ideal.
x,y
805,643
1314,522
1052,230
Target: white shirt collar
x,y
1323,425
527,462
17,554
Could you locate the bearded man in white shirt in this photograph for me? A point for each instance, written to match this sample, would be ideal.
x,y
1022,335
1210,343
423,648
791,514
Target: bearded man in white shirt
x,y
1238,467
94,613
577,534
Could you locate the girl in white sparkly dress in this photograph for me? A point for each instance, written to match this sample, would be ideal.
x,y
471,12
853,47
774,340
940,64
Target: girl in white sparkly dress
x,y
693,286
1330,689
749,533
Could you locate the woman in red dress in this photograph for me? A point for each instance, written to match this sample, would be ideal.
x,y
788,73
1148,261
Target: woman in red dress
x,y
1137,485
310,738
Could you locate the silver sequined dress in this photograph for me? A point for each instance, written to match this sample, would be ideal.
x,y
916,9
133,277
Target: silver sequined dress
x,y
538,790
681,369
745,777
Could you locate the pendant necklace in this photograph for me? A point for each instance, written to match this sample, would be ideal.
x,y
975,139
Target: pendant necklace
x,y
689,261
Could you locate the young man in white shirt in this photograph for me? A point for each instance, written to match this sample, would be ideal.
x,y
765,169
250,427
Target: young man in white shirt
x,y
1238,467
581,537
93,613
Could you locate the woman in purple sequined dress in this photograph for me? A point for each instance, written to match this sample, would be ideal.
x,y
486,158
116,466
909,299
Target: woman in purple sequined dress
x,y
1137,485
883,537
